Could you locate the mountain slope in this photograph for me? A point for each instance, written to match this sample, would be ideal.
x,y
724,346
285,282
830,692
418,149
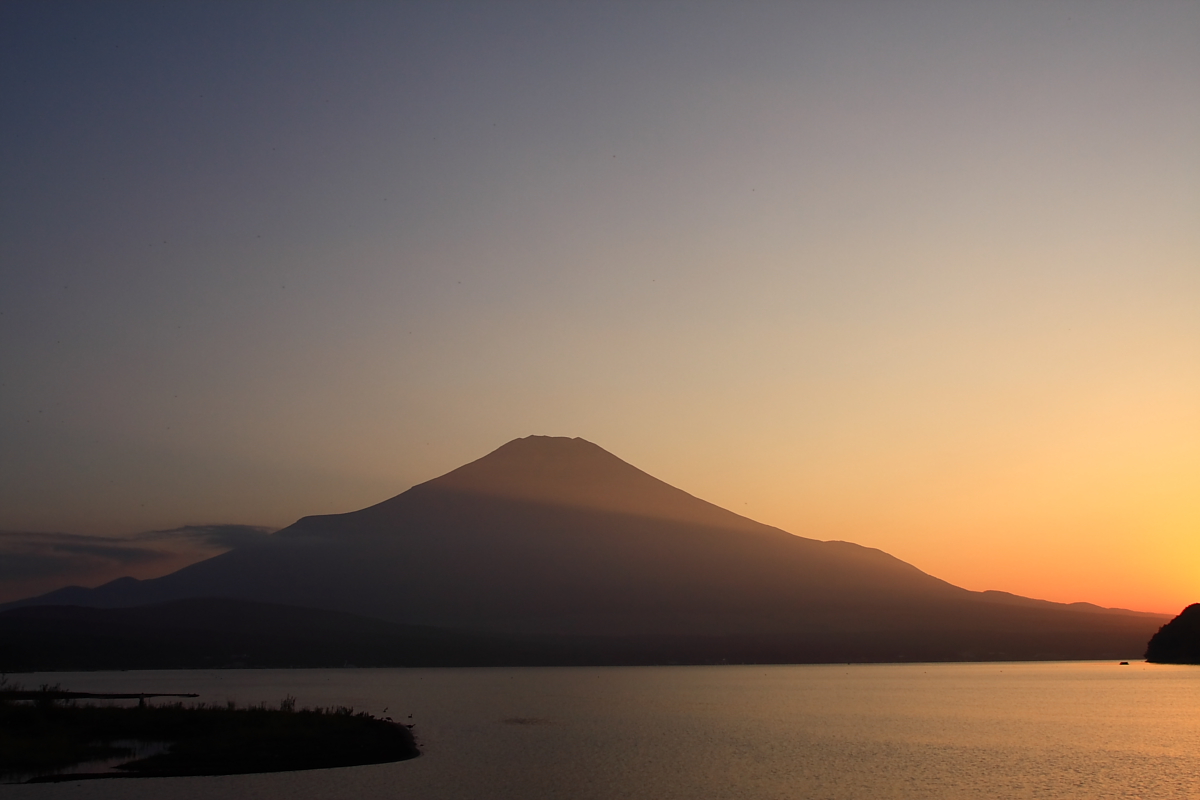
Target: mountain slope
x,y
552,536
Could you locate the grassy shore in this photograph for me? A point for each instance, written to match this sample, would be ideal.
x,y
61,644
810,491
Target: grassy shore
x,y
41,732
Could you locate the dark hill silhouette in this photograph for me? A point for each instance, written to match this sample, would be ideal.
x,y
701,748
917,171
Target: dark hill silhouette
x,y
553,536
1177,642
207,633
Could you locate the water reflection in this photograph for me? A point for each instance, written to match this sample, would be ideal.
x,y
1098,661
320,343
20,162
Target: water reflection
x,y
880,731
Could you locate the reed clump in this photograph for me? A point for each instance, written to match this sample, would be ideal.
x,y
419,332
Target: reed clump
x,y
47,730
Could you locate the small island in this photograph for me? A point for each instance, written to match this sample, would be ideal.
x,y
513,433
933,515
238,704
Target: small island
x,y
44,732
1177,642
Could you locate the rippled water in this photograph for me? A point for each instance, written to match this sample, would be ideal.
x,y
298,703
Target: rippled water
x,y
1072,730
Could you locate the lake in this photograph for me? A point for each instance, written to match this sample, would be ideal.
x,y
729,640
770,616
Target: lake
x,y
1012,730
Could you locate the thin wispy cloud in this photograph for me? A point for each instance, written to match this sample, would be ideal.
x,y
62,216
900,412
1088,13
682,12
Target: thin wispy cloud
x,y
34,562
216,536
26,554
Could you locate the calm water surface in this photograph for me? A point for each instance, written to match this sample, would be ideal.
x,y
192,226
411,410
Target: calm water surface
x,y
1070,730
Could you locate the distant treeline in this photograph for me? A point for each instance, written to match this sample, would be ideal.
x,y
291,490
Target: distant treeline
x,y
219,633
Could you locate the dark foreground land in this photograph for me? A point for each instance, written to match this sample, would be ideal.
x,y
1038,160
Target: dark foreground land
x,y
1177,642
45,731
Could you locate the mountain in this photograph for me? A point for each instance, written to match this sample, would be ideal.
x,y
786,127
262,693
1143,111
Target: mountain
x,y
551,537
1177,642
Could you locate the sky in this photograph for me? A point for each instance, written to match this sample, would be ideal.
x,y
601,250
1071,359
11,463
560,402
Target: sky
x,y
923,276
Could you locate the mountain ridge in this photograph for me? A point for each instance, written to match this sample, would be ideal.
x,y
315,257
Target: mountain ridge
x,y
548,536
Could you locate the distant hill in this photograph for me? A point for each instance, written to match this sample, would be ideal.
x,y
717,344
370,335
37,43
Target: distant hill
x,y
1177,642
555,537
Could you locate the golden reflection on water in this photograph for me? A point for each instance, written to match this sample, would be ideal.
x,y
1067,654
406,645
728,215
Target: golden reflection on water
x,y
1045,730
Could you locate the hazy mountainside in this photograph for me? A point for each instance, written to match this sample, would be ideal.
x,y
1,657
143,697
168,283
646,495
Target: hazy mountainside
x,y
1177,642
219,633
555,536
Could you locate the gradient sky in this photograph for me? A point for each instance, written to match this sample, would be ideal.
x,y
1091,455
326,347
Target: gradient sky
x,y
923,276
